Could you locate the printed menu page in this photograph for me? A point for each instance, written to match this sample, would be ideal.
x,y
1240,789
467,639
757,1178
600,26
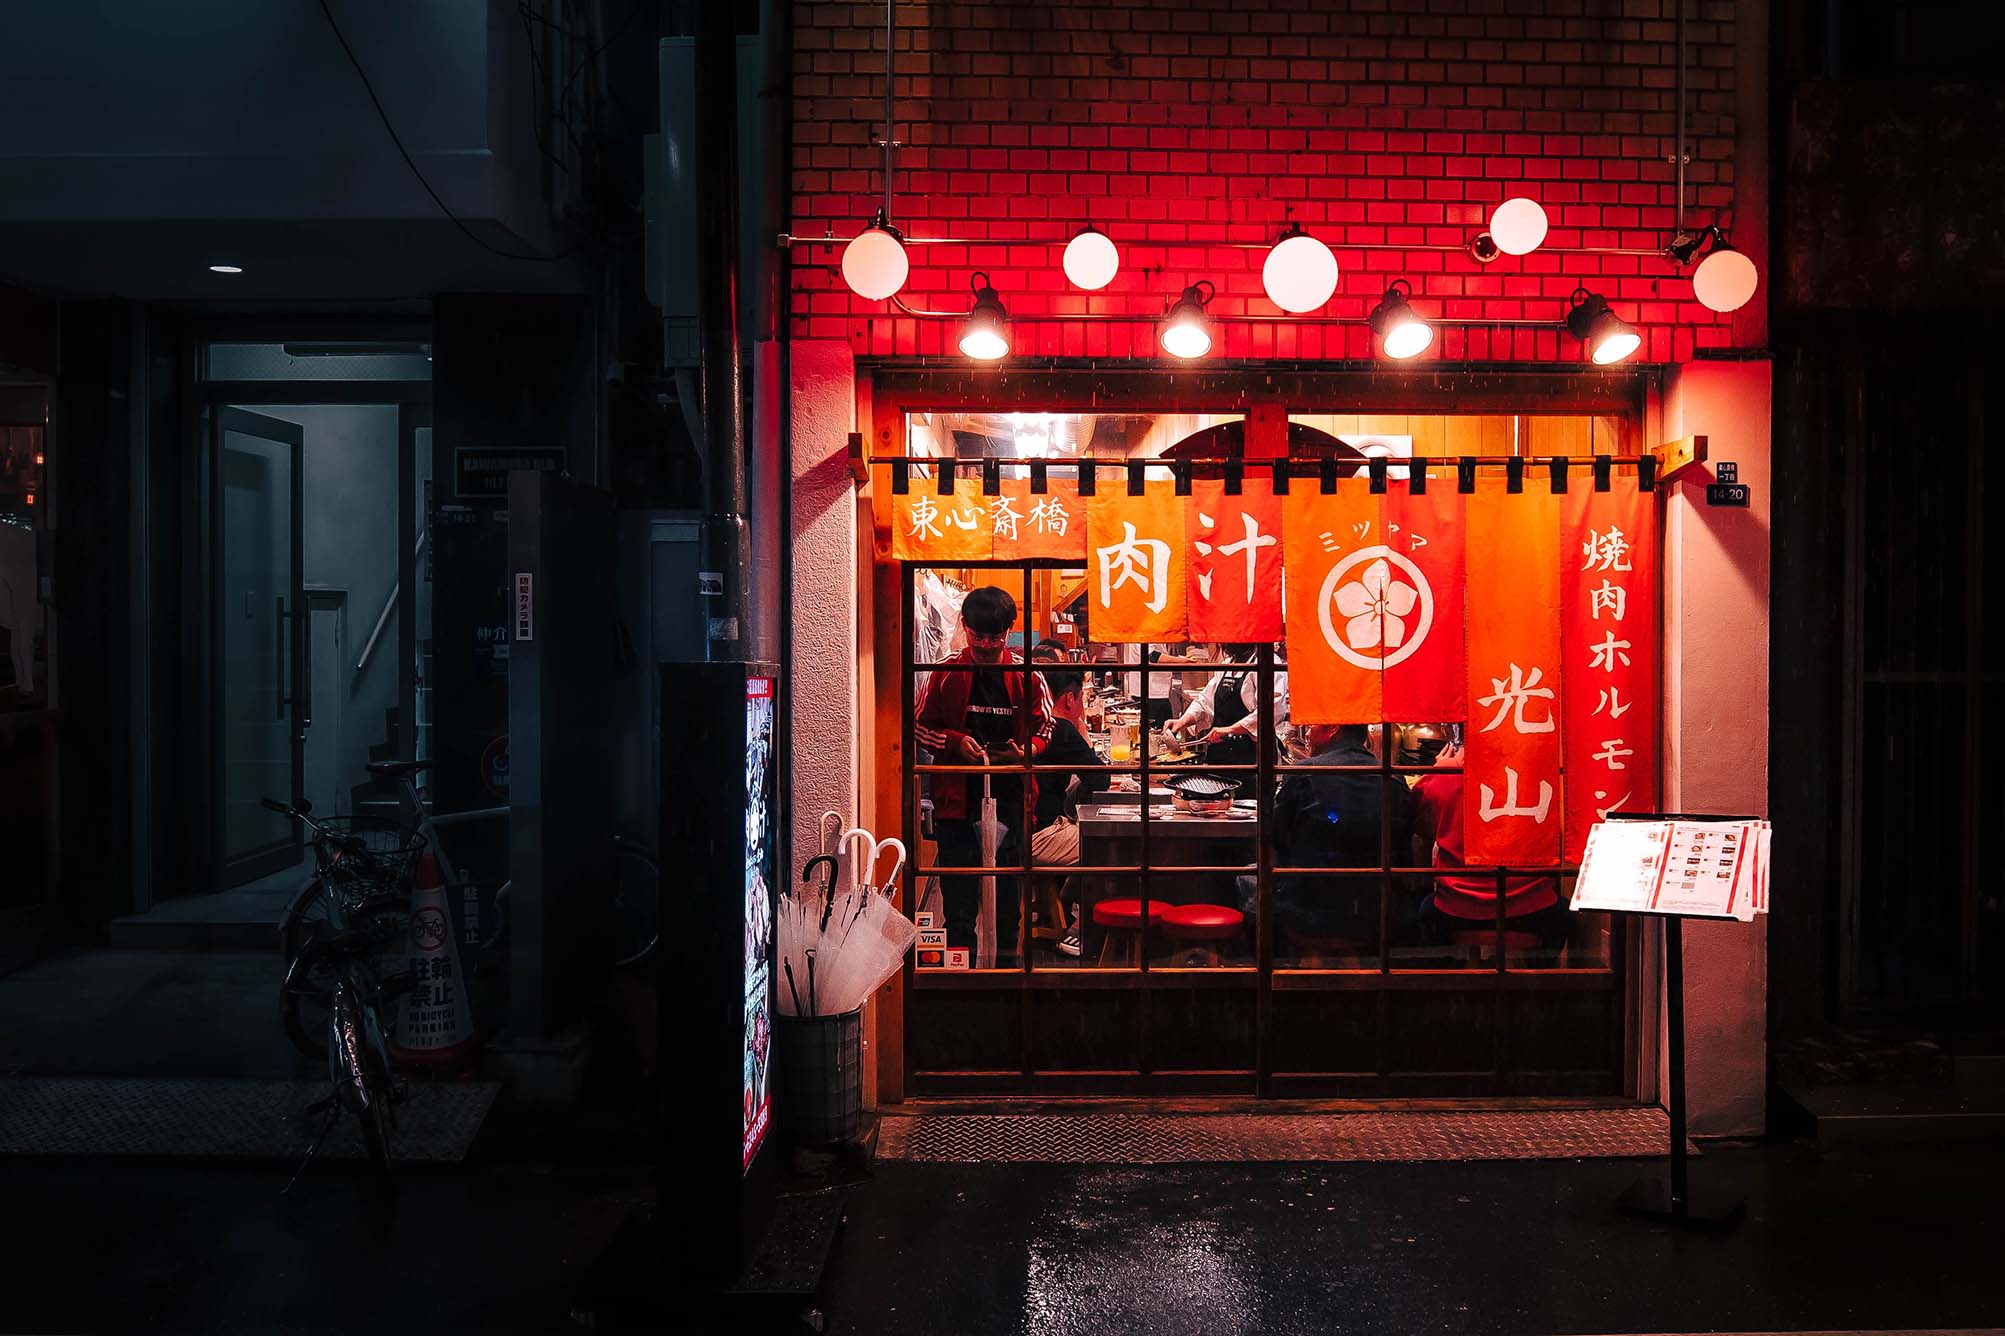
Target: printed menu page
x,y
1706,869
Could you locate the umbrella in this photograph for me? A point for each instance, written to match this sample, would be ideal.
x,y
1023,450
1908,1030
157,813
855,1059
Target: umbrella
x,y
875,938
836,948
985,926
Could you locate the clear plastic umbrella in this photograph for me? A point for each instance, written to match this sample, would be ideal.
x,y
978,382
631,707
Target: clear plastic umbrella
x,y
991,831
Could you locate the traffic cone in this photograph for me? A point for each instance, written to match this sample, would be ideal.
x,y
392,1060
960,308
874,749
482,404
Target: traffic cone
x,y
435,1018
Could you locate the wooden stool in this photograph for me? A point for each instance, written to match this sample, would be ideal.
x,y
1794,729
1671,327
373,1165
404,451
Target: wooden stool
x,y
1484,942
1204,925
1122,918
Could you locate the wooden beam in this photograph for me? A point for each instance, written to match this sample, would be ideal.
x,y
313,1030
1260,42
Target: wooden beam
x,y
859,467
1673,457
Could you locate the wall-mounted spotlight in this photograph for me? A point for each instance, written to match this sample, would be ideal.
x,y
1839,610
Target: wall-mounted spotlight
x,y
1091,261
874,263
1402,333
1185,332
985,336
1725,279
1518,225
1300,273
1608,337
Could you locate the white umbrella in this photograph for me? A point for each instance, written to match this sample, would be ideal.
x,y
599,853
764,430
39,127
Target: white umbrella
x,y
985,926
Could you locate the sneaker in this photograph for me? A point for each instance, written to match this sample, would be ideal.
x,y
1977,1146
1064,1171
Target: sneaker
x,y
1070,943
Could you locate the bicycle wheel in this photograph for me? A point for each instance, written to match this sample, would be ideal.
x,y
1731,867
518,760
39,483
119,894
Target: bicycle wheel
x,y
376,1124
303,1001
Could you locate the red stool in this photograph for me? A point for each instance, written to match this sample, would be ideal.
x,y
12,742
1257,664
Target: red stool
x,y
1484,942
1204,925
1122,918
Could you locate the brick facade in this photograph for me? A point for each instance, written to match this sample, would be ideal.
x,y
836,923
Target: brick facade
x,y
1193,132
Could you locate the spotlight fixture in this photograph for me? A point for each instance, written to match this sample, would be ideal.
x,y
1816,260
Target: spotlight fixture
x,y
874,262
1483,248
985,336
1300,273
1608,337
226,269
1725,279
1090,259
1402,333
1185,332
1518,225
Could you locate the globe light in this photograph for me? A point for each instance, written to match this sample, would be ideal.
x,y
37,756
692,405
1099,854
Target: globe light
x,y
1091,260
874,262
1300,273
1725,279
1402,333
1608,337
985,335
1518,226
1185,332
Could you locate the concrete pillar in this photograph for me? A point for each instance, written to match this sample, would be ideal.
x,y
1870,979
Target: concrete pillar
x,y
824,691
1716,746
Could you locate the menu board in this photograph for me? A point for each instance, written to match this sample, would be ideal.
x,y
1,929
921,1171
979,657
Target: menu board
x,y
759,864
1695,869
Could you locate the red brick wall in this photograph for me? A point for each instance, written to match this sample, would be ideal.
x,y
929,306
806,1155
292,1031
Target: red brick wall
x,y
1182,128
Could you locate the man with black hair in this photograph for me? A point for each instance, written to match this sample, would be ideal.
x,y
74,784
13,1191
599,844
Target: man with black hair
x,y
1333,820
982,716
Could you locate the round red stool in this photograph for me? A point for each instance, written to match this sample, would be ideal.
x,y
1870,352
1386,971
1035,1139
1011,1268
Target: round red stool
x,y
1202,925
1123,919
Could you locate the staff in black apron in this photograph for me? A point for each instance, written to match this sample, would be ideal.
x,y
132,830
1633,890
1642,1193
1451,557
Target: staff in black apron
x,y
1222,705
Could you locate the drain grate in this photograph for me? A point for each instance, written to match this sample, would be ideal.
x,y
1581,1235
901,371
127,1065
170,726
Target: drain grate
x,y
223,1118
1531,1134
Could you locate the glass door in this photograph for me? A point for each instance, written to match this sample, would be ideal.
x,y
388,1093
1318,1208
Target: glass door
x,y
260,629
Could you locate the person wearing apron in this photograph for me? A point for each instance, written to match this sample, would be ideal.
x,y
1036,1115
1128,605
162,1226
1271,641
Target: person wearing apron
x,y
1221,707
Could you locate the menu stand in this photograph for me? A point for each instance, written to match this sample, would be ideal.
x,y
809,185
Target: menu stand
x,y
1676,1201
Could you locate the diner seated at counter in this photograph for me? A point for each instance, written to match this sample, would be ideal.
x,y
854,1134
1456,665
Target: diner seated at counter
x,y
1332,820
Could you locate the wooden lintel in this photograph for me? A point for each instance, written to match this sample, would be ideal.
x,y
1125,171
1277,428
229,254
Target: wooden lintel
x,y
1674,457
859,467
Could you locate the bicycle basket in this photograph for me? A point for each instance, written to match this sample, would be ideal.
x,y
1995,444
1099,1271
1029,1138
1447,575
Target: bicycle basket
x,y
390,848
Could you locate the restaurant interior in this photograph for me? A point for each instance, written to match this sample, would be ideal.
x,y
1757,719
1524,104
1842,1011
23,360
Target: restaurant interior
x,y
1193,892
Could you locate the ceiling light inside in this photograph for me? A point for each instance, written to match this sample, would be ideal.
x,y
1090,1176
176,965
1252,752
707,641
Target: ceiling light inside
x,y
226,269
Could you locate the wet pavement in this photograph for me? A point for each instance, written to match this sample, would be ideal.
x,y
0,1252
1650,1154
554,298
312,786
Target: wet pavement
x,y
1874,1239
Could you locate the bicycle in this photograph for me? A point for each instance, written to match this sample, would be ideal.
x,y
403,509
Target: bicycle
x,y
364,904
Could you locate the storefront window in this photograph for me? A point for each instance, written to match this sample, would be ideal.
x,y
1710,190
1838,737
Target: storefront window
x,y
1085,801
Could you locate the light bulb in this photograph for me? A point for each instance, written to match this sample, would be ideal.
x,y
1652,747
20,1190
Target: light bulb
x,y
1724,280
1300,273
874,264
1091,259
1518,226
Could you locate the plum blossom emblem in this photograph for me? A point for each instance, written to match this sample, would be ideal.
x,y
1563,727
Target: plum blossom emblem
x,y
1377,604
1384,604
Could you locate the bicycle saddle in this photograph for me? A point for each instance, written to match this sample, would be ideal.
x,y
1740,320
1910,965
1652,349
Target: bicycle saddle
x,y
396,769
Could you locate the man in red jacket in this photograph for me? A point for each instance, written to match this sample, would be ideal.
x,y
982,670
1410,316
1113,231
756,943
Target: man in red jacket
x,y
982,716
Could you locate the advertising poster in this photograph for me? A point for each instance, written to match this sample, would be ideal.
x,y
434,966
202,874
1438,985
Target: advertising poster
x,y
759,865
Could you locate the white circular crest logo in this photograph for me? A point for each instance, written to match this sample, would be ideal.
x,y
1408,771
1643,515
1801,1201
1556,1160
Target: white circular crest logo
x,y
1387,609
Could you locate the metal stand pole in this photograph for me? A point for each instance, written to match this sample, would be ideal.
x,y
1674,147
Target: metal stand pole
x,y
1652,1197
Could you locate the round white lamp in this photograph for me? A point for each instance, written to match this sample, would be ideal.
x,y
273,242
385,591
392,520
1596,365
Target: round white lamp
x,y
1300,273
1518,226
1091,261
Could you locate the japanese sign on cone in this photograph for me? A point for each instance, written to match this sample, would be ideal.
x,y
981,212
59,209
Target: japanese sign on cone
x,y
435,1018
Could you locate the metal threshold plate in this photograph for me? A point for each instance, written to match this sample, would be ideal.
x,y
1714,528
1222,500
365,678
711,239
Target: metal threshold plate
x,y
1531,1134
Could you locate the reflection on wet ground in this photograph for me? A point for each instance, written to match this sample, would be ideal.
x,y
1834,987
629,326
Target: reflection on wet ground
x,y
1277,1249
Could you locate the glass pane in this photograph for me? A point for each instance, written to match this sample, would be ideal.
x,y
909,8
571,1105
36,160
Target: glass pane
x,y
319,361
256,598
22,499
